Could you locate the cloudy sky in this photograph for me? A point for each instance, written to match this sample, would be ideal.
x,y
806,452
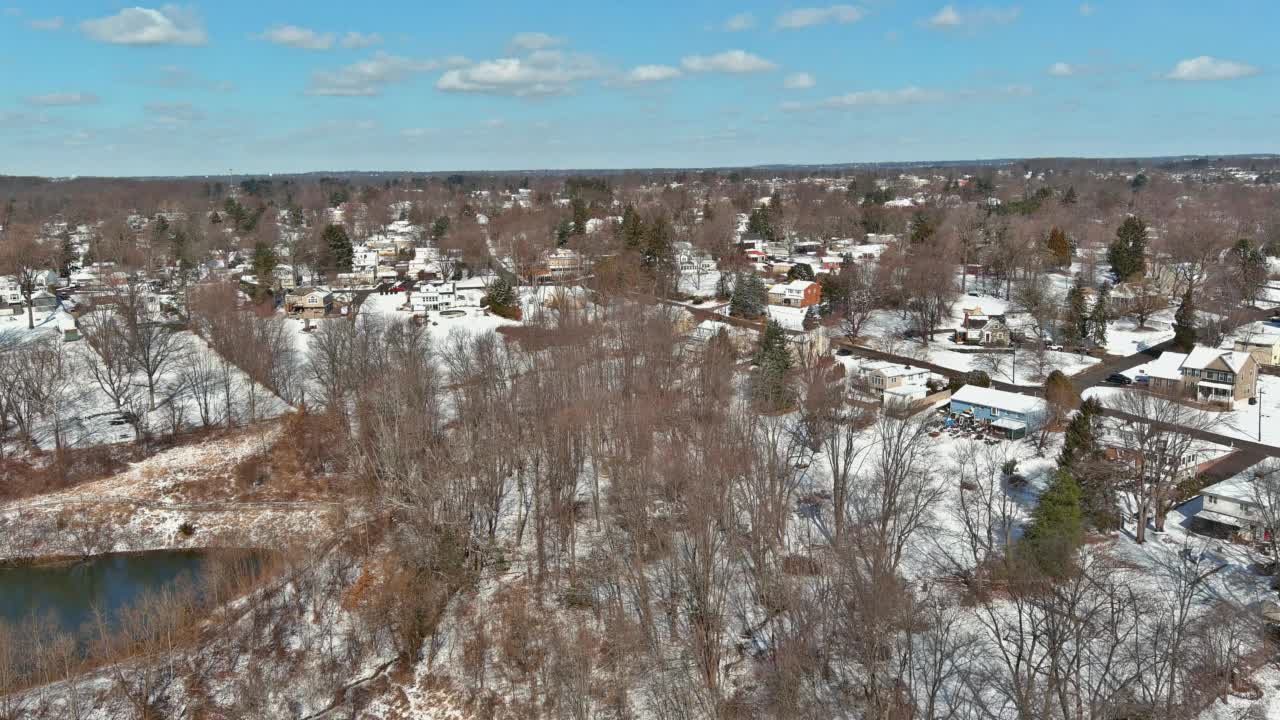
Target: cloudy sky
x,y
102,88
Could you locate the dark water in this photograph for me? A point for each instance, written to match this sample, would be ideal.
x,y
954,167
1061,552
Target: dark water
x,y
69,593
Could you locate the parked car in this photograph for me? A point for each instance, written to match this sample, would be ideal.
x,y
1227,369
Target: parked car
x,y
1118,379
1054,347
844,352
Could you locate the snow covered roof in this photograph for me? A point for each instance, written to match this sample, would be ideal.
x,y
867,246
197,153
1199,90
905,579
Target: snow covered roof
x,y
1236,487
1167,367
891,369
1201,357
990,397
794,286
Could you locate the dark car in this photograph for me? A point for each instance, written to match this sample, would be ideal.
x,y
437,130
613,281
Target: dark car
x,y
1118,379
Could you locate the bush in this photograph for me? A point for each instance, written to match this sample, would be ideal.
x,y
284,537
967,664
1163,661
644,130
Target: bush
x,y
186,529
504,311
1009,468
974,377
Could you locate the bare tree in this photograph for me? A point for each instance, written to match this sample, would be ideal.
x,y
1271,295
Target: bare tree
x,y
24,256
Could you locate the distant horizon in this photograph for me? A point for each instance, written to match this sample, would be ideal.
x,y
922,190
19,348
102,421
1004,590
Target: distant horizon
x,y
677,169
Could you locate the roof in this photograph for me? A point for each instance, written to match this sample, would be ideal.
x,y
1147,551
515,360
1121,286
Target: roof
x,y
1007,424
1167,366
1237,487
796,285
889,369
992,398
1201,357
1219,518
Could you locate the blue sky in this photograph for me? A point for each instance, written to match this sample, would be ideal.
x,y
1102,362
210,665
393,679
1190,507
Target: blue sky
x,y
103,88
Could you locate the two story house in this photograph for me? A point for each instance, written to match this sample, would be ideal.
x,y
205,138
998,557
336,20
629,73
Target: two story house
x,y
1211,375
892,381
797,293
308,302
979,328
1232,507
433,297
1261,340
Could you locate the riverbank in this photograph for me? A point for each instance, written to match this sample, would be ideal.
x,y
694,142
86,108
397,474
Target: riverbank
x,y
186,498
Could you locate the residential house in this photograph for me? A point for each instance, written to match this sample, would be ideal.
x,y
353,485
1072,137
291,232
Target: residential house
x,y
308,302
797,293
433,297
564,263
1211,375
1261,340
1232,507
1012,414
892,381
979,328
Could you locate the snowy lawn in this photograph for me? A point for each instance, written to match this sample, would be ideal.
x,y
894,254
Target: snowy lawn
x,y
1240,422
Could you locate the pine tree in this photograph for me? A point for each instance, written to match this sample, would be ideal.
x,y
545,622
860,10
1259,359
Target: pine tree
x,y
722,287
338,248
1059,248
774,359
1127,253
501,299
800,271
264,263
632,229
1057,525
1070,197
1184,324
1098,319
1075,324
1080,441
749,296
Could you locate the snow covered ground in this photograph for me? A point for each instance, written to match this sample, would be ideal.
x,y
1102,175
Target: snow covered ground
x,y
1240,422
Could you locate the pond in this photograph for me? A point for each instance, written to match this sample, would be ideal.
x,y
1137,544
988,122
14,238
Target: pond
x,y
70,594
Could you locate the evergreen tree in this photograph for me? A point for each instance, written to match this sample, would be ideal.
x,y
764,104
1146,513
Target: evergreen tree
x,y
1080,441
774,359
580,216
921,228
1127,253
1098,318
439,228
800,271
501,299
1069,198
1059,248
750,296
338,248
632,229
1075,324
657,252
810,318
1184,324
1057,525
264,262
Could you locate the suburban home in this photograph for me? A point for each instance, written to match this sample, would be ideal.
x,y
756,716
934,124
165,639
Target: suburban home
x,y
797,293
564,263
1231,508
891,381
433,297
283,275
43,301
308,302
1211,375
979,328
1011,414
10,291
1261,340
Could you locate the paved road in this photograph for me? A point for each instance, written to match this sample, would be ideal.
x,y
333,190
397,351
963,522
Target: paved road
x,y
1248,451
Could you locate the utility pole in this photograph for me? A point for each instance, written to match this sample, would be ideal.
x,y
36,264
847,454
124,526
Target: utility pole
x,y
1259,396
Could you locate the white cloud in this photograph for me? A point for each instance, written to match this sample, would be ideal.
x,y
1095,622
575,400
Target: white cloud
x,y
355,40
367,77
169,25
417,132
1061,69
1210,68
528,41
729,61
740,22
63,99
1086,9
904,96
799,81
545,72
53,23
651,73
808,17
172,115
298,37
950,18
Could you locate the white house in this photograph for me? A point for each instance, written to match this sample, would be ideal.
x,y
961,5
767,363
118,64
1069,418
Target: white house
x,y
433,297
1233,505
889,380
